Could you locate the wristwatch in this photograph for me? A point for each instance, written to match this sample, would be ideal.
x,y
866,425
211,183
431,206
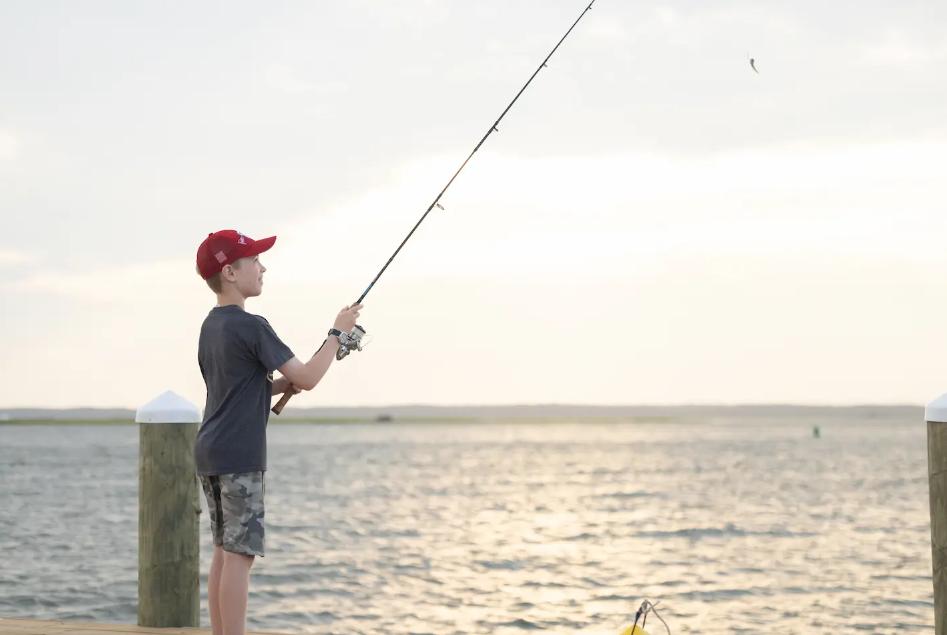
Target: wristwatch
x,y
335,332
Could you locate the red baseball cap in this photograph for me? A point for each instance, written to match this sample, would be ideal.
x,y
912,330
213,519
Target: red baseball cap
x,y
225,247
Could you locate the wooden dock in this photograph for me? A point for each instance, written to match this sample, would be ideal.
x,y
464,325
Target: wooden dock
x,y
12,626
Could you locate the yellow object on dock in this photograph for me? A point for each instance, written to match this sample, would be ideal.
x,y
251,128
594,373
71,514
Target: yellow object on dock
x,y
11,626
634,630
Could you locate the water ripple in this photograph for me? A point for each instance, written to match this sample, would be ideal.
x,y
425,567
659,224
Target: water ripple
x,y
503,529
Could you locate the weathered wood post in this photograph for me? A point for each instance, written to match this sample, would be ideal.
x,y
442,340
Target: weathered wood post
x,y
168,513
936,416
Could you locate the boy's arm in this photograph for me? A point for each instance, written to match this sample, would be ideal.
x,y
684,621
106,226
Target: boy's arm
x,y
307,375
281,385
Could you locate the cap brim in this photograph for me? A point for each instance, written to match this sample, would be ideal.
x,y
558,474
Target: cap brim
x,y
259,246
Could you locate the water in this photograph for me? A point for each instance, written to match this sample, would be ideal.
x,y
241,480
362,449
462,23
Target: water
x,y
737,526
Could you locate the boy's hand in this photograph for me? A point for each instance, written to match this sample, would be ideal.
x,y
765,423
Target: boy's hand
x,y
284,385
345,320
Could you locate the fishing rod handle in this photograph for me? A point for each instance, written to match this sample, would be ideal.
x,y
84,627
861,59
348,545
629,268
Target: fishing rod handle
x,y
278,408
347,341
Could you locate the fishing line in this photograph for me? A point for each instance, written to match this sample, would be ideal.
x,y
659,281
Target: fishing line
x,y
493,128
642,614
352,341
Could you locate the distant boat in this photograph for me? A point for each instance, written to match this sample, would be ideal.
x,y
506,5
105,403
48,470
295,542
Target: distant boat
x,y
384,418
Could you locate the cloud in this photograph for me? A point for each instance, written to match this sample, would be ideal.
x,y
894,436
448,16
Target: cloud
x,y
772,258
899,48
140,283
12,257
286,79
520,218
136,325
9,145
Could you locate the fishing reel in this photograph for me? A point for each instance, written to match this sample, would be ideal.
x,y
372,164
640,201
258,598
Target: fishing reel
x,y
349,342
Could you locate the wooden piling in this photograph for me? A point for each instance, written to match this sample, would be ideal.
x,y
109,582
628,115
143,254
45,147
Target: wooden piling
x,y
936,416
168,514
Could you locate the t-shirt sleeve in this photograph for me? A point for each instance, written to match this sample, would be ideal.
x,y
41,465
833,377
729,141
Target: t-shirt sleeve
x,y
269,348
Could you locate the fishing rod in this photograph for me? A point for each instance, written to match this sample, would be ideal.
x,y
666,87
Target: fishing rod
x,y
353,340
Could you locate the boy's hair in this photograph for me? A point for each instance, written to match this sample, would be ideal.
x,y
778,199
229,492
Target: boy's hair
x,y
214,282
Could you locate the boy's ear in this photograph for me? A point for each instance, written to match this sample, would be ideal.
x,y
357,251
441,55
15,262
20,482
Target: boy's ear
x,y
228,274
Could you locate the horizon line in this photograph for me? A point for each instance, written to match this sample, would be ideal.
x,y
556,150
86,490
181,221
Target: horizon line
x,y
735,404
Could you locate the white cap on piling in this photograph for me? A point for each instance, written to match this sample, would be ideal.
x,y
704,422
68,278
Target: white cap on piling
x,y
168,407
936,410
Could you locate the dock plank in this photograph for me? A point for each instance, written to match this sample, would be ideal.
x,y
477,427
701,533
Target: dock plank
x,y
18,626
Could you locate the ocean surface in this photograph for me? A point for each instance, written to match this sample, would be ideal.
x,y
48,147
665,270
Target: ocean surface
x,y
735,525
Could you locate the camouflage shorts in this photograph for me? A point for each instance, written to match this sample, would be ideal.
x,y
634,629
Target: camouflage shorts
x,y
235,503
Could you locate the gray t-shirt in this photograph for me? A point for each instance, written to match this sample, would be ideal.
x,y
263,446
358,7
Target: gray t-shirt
x,y
237,353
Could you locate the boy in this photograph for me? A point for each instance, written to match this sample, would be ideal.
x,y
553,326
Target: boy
x,y
237,354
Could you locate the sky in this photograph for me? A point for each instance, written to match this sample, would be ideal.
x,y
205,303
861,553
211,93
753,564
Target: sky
x,y
655,223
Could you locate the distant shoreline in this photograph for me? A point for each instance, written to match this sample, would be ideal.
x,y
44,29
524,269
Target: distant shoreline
x,y
486,414
362,420
540,411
